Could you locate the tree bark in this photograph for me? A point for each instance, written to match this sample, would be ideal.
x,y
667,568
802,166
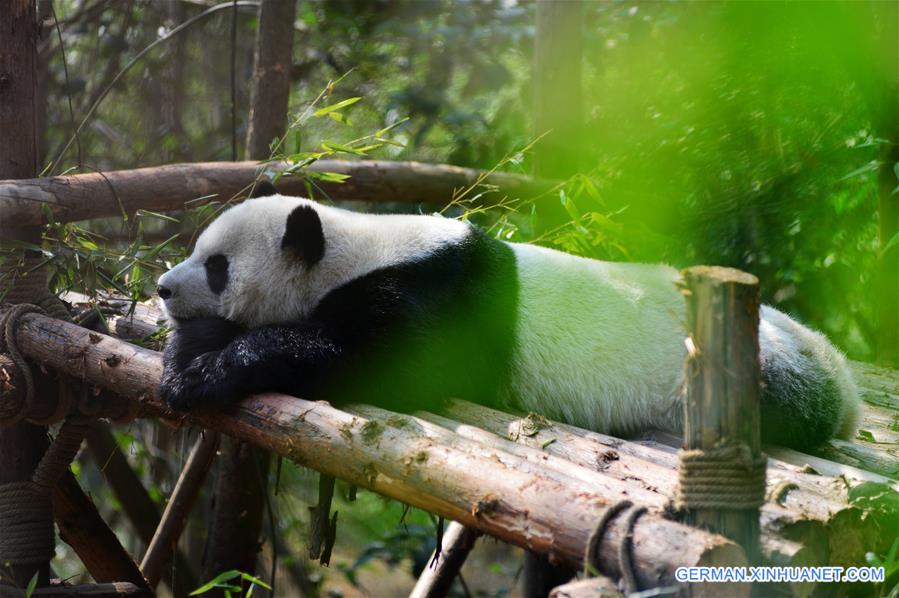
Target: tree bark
x,y
22,444
272,61
163,188
481,487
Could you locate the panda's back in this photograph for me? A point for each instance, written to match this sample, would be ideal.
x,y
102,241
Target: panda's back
x,y
598,344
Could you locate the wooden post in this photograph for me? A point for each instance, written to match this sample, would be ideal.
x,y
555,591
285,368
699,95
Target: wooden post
x,y
21,445
437,578
162,546
139,508
241,485
722,402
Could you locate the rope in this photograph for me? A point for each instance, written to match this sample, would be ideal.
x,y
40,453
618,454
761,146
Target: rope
x,y
625,546
727,478
26,509
8,345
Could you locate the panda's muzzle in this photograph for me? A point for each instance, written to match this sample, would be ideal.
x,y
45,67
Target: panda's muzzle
x,y
164,292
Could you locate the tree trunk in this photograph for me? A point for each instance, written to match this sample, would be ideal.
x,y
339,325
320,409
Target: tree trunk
x,y
22,444
271,77
242,484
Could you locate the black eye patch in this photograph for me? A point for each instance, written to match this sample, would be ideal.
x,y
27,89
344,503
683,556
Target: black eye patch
x,y
217,273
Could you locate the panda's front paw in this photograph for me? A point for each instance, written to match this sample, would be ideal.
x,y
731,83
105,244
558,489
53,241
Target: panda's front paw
x,y
192,386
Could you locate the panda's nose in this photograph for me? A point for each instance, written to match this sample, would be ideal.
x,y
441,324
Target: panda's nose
x,y
164,292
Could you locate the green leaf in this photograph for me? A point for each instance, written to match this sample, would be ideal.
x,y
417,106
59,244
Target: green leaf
x,y
32,583
255,581
157,215
328,177
890,244
337,106
865,435
217,582
339,117
869,167
336,147
896,170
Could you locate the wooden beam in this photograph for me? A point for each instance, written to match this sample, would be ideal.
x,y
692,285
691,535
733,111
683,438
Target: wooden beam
x,y
443,568
173,520
82,528
140,509
497,493
165,188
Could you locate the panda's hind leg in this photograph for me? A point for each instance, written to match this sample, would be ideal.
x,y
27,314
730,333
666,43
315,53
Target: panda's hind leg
x,y
808,394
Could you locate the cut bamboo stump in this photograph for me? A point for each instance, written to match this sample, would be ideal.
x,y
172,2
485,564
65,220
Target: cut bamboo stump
x,y
721,464
492,491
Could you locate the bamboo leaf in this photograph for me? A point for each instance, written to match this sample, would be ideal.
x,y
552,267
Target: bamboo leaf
x,y
337,106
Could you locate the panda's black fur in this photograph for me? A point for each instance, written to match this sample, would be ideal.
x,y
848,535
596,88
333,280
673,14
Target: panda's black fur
x,y
411,330
411,334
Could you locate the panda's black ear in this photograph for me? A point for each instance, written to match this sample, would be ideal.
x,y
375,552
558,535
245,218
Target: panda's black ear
x,y
264,189
303,235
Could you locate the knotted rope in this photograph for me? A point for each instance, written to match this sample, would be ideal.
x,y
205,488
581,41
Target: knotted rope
x,y
625,559
26,510
727,477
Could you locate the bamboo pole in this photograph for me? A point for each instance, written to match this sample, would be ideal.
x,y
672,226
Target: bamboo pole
x,y
171,187
492,491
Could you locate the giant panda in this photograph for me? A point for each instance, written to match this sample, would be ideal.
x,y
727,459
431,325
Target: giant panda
x,y
403,311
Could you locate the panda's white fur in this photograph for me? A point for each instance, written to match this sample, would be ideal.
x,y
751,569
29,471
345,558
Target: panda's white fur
x,y
597,344
266,286
571,352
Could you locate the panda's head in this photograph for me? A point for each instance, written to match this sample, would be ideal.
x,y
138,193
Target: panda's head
x,y
252,265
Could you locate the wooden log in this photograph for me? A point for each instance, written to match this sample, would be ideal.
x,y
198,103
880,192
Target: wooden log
x,y
94,590
139,508
595,587
174,518
171,187
82,528
443,567
483,488
792,527
722,399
